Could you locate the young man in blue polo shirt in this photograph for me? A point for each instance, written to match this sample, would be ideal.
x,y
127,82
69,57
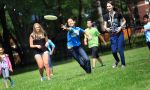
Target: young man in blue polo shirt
x,y
74,44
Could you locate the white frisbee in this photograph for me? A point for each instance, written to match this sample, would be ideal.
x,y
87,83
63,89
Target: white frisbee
x,y
50,17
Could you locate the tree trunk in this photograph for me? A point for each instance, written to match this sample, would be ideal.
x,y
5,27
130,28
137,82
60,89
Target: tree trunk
x,y
6,34
100,19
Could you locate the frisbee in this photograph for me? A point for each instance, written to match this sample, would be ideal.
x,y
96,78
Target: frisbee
x,y
50,17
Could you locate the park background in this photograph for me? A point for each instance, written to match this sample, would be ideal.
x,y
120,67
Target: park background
x,y
17,18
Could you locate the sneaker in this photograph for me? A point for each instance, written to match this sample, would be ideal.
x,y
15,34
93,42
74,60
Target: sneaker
x,y
103,65
123,66
48,78
52,74
12,83
42,79
114,66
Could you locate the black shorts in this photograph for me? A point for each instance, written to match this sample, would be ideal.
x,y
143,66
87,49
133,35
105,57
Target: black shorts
x,y
95,52
148,44
39,51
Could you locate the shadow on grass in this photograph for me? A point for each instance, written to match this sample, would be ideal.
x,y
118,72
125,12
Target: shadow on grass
x,y
76,76
33,66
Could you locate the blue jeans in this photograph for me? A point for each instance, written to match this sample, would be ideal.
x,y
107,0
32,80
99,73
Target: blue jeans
x,y
117,45
148,45
50,62
81,57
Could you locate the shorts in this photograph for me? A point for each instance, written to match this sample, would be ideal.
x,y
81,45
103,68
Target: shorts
x,y
39,54
5,72
41,51
95,52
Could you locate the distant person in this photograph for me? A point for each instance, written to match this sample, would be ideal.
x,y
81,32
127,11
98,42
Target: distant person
x,y
74,44
94,42
114,23
147,29
38,42
51,47
5,67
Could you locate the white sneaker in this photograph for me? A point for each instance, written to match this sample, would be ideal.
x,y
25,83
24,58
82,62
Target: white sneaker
x,y
123,66
52,74
114,66
42,79
48,78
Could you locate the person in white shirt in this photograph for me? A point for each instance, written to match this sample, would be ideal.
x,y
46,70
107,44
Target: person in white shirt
x,y
147,29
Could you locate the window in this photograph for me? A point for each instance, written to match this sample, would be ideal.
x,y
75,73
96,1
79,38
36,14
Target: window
x,y
147,1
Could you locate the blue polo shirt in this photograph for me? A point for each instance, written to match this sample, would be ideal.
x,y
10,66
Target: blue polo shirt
x,y
147,32
73,37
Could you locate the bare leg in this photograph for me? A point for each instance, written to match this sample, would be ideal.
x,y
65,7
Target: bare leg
x,y
40,64
5,82
11,81
45,57
94,62
100,61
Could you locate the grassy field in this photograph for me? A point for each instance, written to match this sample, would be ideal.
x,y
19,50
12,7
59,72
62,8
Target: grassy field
x,y
69,76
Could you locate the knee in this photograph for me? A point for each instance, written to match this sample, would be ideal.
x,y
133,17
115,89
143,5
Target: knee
x,y
46,65
41,67
121,51
114,52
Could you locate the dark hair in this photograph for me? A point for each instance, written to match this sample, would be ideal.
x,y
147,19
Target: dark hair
x,y
145,16
94,24
113,4
90,20
73,18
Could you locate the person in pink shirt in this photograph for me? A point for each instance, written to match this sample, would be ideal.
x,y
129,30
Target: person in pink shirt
x,y
5,67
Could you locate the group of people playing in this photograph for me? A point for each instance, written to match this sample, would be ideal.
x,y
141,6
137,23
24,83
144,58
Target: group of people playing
x,y
43,47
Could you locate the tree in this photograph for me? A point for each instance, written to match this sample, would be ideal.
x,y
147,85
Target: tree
x,y
6,33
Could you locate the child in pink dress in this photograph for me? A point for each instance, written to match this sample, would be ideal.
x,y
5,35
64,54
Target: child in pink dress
x,y
5,67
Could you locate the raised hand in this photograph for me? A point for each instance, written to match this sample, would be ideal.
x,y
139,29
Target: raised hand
x,y
63,27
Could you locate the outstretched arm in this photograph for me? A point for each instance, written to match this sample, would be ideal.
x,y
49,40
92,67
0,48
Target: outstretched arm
x,y
101,38
85,40
64,27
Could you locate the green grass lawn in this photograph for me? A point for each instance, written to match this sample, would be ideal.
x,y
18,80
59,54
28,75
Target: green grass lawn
x,y
69,76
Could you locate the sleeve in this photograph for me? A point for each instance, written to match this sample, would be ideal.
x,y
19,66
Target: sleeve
x,y
105,17
81,30
120,16
51,43
8,61
97,32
